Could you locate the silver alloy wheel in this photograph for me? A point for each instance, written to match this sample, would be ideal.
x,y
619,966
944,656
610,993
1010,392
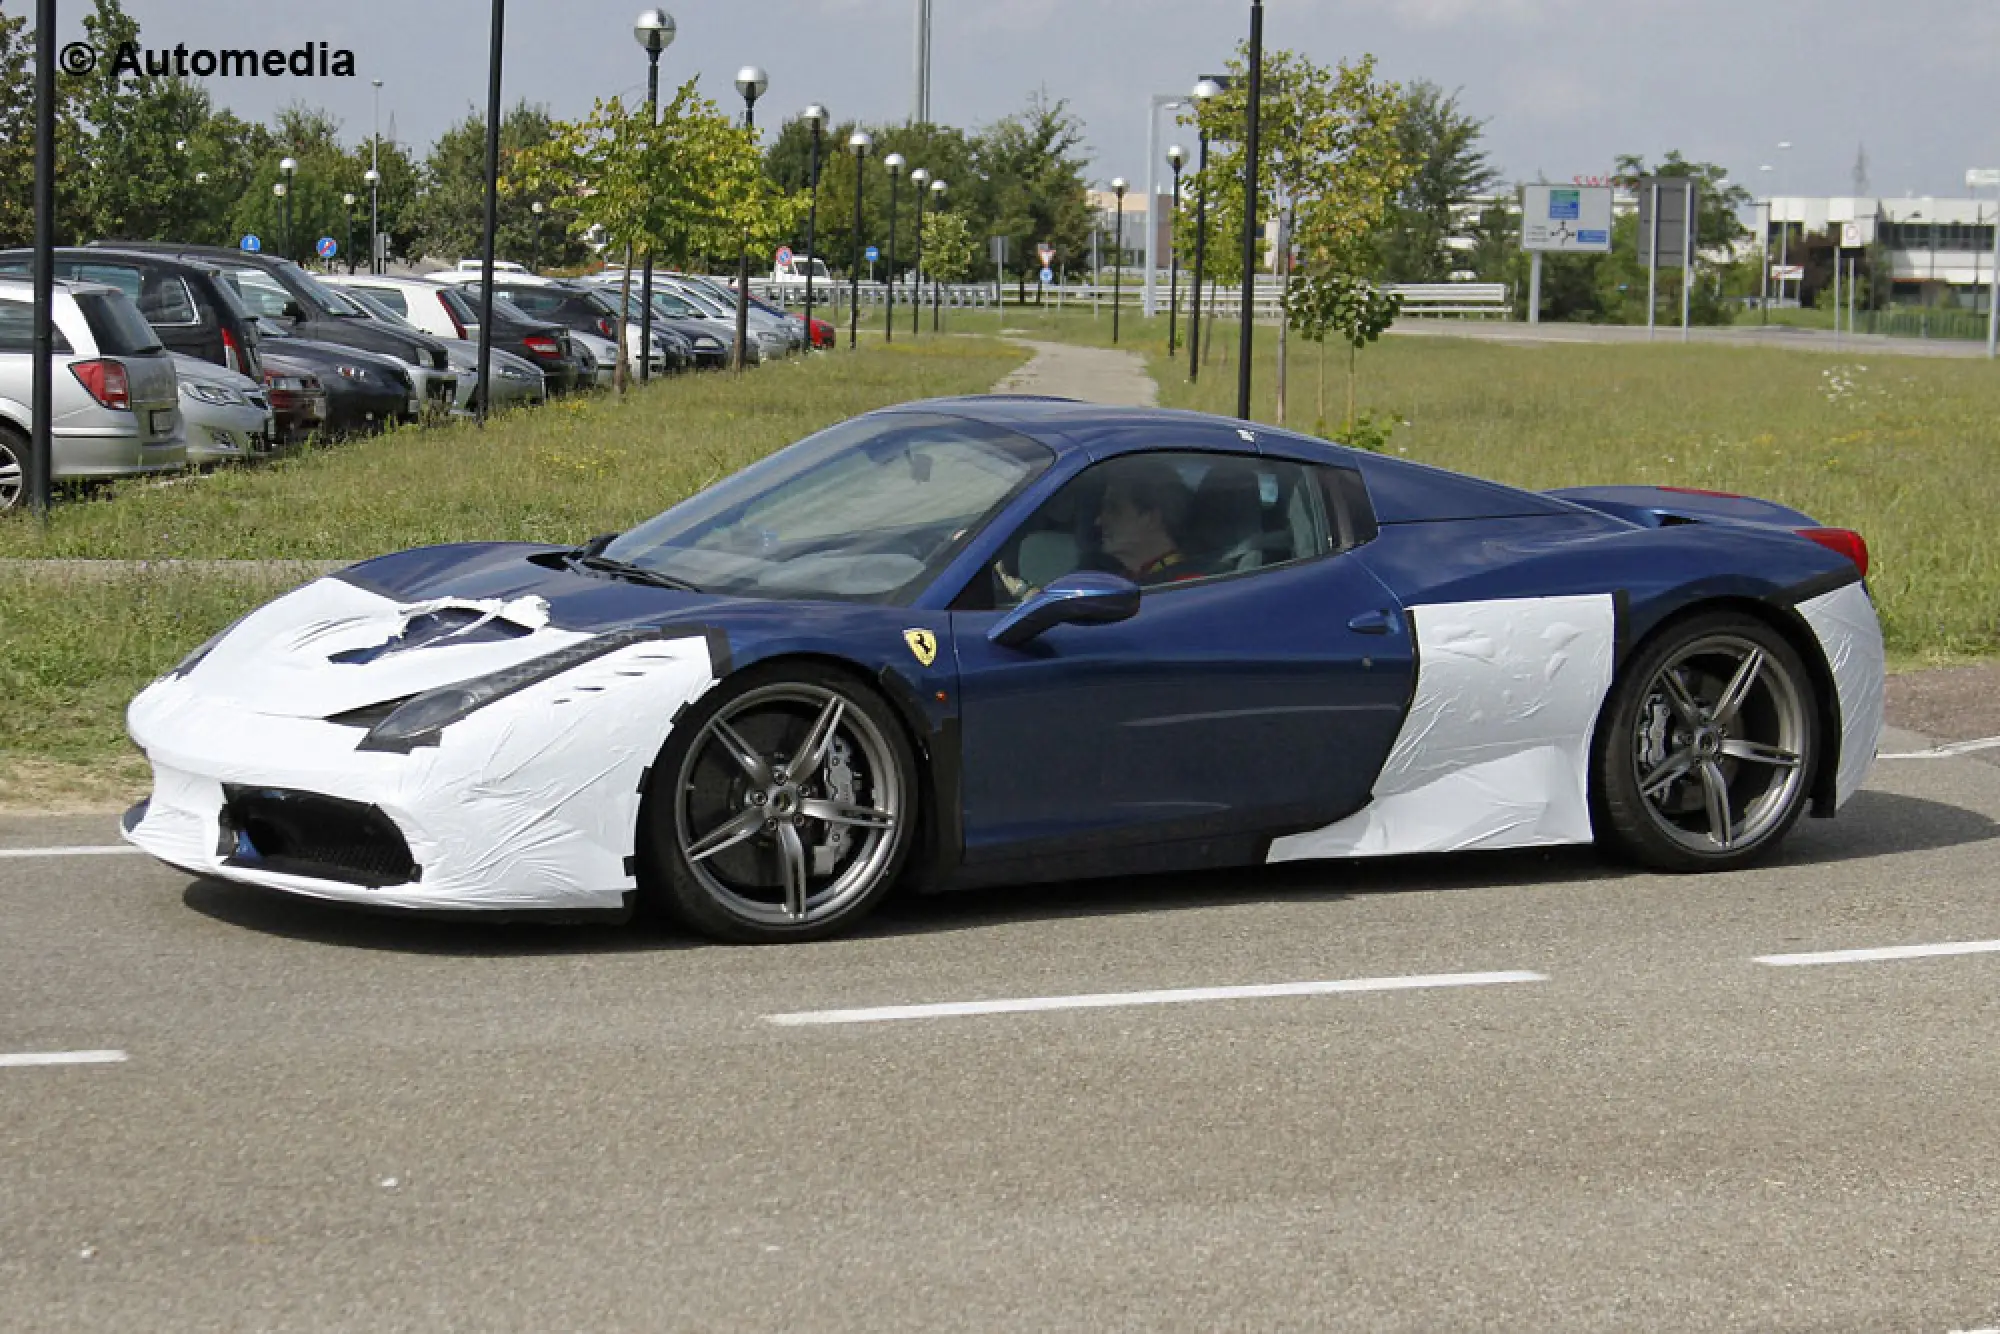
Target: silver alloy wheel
x,y
10,476
1719,746
787,805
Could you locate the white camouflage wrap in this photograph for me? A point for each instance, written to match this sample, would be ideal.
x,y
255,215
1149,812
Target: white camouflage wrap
x,y
1495,752
530,802
1849,634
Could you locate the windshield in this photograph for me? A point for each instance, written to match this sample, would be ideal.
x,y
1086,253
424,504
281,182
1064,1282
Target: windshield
x,y
869,511
694,296
116,324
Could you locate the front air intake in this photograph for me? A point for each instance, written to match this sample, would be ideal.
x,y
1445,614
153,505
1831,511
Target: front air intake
x,y
319,837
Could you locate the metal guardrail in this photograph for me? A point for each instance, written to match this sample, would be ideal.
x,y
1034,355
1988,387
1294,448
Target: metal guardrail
x,y
1418,298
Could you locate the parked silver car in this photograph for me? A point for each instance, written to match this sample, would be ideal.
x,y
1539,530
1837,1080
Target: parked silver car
x,y
116,409
227,415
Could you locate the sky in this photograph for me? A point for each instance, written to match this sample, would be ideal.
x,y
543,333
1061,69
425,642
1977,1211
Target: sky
x,y
1564,85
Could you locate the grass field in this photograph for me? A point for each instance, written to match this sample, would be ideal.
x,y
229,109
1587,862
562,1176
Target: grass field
x,y
76,646
1905,450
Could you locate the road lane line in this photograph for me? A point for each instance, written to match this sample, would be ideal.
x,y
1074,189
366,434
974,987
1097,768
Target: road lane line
x,y
1112,999
1946,751
20,1058
1881,955
101,850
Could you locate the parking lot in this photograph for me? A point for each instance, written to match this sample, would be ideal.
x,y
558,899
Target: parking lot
x,y
1522,1091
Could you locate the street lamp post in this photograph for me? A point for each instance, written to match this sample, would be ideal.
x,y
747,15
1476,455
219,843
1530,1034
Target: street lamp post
x,y
1250,164
654,32
937,193
751,81
535,260
858,144
374,179
1118,188
816,115
1176,156
1155,105
920,178
284,192
895,163
490,223
348,200
1204,92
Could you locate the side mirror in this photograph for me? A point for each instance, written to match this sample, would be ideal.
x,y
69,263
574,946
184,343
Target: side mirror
x,y
293,311
1075,599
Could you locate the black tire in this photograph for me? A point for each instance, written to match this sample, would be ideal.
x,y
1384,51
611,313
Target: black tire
x,y
735,852
13,467
1672,762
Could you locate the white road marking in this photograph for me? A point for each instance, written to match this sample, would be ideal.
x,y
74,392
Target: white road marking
x,y
60,1058
101,850
1880,955
1108,1000
1946,751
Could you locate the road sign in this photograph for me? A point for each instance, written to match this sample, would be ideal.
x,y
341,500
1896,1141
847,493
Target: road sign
x,y
1677,197
251,243
1982,178
1048,254
326,249
1788,272
784,257
1566,217
873,254
1048,275
1850,236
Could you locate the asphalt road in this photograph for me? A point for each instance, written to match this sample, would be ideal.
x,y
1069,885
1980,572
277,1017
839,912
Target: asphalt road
x,y
1784,337
332,1121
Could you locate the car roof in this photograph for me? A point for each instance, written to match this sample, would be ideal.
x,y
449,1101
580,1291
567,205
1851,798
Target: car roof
x,y
170,263
1068,425
16,283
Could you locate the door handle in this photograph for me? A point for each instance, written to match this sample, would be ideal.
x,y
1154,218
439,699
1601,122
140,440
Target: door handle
x,y
1373,623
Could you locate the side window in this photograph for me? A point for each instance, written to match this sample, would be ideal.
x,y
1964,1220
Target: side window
x,y
1164,519
535,303
123,277
261,294
392,297
1352,514
17,328
166,303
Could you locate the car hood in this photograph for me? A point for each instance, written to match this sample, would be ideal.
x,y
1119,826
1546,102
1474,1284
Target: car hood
x,y
207,372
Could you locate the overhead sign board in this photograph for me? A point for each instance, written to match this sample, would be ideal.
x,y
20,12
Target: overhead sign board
x,y
1566,217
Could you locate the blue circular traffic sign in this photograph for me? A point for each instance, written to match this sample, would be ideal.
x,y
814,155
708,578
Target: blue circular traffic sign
x,y
873,254
251,243
1048,275
326,249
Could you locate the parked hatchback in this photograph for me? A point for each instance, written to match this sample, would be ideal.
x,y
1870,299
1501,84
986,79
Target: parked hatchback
x,y
190,305
115,409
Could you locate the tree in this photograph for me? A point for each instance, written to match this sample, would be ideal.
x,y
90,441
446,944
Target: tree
x,y
447,216
1033,165
1327,304
1449,171
949,248
946,153
692,184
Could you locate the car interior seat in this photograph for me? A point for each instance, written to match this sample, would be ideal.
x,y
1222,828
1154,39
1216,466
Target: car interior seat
x,y
1226,520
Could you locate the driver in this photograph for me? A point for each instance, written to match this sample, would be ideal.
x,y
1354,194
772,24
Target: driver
x,y
1144,510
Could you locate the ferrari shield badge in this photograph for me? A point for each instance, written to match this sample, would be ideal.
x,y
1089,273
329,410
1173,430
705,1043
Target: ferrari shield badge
x,y
923,644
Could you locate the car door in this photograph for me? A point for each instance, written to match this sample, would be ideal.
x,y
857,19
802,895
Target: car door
x,y
162,296
1258,689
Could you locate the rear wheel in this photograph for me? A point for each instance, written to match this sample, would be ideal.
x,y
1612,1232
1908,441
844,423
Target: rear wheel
x,y
1707,748
782,807
13,467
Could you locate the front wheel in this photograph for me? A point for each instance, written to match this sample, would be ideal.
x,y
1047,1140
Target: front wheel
x,y
782,807
1706,750
13,457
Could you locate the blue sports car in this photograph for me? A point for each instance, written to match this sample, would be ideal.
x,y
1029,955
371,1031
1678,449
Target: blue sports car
x,y
1006,639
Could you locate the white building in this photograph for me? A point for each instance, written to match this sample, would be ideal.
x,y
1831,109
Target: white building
x,y
1939,251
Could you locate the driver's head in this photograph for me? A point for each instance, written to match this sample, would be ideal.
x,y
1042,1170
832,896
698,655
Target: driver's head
x,y
1144,509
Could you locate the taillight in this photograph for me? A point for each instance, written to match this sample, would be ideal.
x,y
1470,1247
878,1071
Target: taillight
x,y
230,357
1844,540
106,381
542,345
456,322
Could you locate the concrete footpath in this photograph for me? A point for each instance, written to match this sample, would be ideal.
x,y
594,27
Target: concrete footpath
x,y
1093,374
